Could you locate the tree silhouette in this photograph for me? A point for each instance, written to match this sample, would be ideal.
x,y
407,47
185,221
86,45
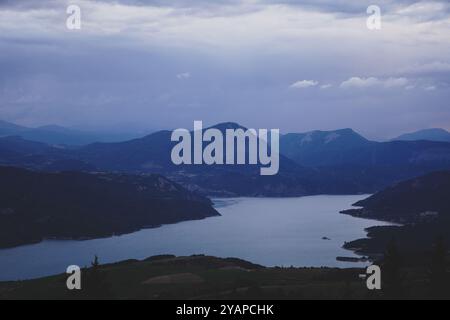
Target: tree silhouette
x,y
95,263
96,284
391,271
439,276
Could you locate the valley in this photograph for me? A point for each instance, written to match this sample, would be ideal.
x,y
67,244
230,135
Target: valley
x,y
104,190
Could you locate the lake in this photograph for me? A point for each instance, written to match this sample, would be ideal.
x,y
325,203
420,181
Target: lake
x,y
267,231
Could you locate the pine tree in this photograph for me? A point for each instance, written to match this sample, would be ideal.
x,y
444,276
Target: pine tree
x,y
95,263
96,285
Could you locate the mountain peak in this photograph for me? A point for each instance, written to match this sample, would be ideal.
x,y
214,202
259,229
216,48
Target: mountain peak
x,y
347,131
433,134
227,125
8,128
53,127
329,136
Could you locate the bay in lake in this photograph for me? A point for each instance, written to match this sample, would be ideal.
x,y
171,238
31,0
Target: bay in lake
x,y
267,231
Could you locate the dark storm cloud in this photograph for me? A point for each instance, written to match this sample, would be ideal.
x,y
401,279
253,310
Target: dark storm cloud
x,y
29,4
336,6
351,7
348,6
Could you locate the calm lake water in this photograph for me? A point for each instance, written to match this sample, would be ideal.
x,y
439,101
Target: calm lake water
x,y
271,232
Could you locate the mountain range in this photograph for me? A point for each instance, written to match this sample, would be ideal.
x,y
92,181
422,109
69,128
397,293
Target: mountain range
x,y
318,162
57,135
348,148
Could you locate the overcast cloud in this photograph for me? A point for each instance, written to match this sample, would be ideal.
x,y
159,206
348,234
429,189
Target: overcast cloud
x,y
293,65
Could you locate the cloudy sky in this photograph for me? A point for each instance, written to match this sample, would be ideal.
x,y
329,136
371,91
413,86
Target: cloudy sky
x,y
294,65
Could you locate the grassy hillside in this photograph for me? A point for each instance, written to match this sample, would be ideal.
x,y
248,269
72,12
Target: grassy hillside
x,y
205,278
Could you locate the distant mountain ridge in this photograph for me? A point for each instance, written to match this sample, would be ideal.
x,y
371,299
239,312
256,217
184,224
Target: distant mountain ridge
x,y
57,135
18,152
347,148
153,154
320,148
10,129
319,162
435,134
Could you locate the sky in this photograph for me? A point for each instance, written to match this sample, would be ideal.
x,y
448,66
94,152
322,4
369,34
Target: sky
x,y
293,65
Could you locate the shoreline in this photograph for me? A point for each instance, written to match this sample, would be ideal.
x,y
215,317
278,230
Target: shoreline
x,y
331,258
116,234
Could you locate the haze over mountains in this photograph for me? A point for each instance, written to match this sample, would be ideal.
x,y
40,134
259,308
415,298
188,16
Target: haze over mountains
x,y
319,162
435,134
52,134
346,147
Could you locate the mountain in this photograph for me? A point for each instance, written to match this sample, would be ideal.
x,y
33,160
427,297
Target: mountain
x,y
344,148
19,152
423,198
422,207
321,148
153,154
427,134
57,135
72,205
150,153
338,162
10,129
16,144
15,151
